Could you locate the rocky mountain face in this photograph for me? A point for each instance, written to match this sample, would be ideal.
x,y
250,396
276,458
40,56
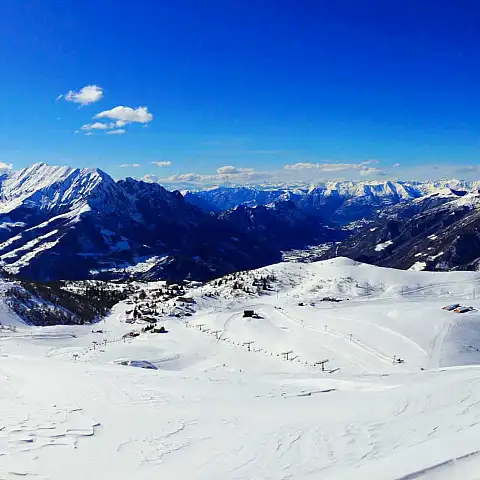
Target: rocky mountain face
x,y
342,202
67,223
220,199
283,225
436,232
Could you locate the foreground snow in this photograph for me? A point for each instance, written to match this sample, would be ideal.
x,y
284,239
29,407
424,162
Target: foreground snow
x,y
214,410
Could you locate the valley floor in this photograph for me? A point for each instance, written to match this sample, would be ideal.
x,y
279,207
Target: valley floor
x,y
226,403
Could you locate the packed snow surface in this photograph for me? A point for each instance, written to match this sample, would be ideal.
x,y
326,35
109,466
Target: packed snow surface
x,y
233,397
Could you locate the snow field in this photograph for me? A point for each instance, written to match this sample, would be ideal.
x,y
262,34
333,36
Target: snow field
x,y
215,410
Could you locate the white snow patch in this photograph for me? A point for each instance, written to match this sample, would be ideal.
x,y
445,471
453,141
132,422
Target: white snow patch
x,y
140,265
10,225
25,259
382,246
418,266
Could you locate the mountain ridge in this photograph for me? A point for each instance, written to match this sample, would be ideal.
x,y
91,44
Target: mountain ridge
x,y
70,223
435,232
341,201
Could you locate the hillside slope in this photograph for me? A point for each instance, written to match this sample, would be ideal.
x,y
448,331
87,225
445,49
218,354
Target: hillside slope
x,y
224,402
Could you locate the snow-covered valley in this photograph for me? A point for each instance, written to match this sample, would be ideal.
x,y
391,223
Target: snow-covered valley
x,y
236,397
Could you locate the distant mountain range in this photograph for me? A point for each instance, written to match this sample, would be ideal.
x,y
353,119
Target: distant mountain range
x,y
342,202
68,223
419,225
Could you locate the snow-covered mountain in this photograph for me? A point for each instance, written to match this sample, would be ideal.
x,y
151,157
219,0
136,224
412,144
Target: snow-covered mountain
x,y
63,222
381,384
50,188
429,225
339,201
440,231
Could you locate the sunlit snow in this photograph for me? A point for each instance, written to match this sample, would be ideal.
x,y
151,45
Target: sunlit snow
x,y
226,403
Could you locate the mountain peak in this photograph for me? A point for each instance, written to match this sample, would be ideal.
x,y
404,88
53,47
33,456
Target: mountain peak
x,y
48,186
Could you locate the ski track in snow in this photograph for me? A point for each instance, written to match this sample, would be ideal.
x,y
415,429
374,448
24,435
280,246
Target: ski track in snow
x,y
214,410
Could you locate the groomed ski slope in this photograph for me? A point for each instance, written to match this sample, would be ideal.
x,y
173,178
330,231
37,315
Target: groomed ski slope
x,y
214,410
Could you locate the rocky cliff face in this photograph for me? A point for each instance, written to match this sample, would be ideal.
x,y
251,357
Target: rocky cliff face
x,y
283,225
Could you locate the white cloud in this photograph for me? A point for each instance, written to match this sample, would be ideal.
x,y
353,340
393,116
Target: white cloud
x,y
305,173
231,170
150,178
127,115
130,165
85,96
188,177
362,167
5,167
120,123
223,175
120,131
301,173
162,164
97,126
325,167
88,133
370,171
395,165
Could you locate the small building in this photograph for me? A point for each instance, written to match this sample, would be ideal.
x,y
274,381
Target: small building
x,y
139,364
159,330
131,334
248,313
451,307
186,300
463,309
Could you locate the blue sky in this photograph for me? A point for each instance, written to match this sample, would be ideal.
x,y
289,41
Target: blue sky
x,y
239,90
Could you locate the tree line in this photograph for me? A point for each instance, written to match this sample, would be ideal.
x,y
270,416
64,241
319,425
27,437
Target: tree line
x,y
49,304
